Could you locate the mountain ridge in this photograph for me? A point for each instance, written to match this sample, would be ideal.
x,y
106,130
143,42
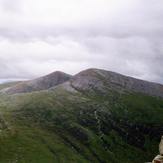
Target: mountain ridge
x,y
89,79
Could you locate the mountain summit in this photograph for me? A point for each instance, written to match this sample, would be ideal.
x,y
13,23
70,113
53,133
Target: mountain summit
x,y
102,80
39,84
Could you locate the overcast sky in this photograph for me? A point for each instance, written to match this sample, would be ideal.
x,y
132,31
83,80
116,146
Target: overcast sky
x,y
41,36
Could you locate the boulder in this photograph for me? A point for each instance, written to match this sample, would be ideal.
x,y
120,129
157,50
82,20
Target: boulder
x,y
158,159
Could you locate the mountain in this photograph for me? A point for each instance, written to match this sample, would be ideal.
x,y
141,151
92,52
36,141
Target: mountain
x,y
38,84
94,116
88,80
104,81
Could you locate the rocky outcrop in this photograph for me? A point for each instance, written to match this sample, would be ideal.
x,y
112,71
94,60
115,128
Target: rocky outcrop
x,y
161,146
159,158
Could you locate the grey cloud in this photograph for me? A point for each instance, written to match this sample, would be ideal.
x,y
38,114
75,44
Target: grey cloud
x,y
11,6
127,39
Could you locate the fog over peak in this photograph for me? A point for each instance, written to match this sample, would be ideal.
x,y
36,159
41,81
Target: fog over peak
x,y
41,36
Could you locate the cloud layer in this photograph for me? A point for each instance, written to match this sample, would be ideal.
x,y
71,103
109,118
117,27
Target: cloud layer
x,y
41,36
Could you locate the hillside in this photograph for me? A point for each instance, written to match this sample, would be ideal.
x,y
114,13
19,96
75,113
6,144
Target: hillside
x,y
103,81
38,84
8,84
95,116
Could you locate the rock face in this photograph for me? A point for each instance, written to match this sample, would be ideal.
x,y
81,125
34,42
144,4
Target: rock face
x,y
38,84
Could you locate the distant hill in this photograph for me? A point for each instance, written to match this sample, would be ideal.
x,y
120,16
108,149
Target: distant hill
x,y
39,84
94,116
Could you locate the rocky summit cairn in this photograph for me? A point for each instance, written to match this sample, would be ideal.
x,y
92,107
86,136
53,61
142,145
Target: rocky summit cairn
x,y
159,158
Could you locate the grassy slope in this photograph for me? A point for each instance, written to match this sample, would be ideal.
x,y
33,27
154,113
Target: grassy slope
x,y
62,127
8,84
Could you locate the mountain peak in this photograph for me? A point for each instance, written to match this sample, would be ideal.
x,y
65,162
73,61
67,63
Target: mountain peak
x,y
104,81
42,83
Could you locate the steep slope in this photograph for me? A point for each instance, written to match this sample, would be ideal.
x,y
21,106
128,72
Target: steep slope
x,y
89,118
38,84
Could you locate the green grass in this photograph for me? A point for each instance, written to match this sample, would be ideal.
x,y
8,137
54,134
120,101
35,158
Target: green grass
x,y
8,84
58,126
